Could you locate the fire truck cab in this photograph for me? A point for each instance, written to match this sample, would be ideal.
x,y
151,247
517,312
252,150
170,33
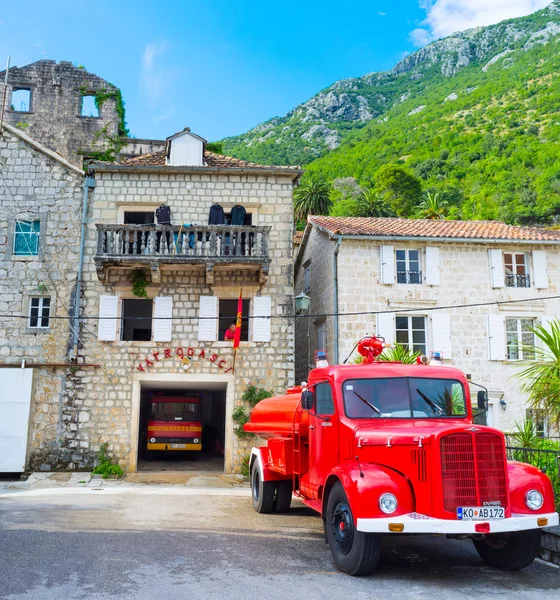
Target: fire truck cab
x,y
174,424
385,448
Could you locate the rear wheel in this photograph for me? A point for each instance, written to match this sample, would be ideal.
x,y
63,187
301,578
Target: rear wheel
x,y
262,492
510,551
354,552
283,497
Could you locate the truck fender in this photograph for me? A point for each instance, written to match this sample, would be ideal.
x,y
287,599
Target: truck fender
x,y
524,478
260,459
363,493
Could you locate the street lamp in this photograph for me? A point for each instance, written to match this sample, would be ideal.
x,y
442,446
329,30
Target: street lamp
x,y
302,302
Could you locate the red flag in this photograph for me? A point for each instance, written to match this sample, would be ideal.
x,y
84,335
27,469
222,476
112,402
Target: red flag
x,y
237,333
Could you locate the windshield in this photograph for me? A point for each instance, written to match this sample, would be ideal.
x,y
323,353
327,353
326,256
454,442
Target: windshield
x,y
403,398
175,411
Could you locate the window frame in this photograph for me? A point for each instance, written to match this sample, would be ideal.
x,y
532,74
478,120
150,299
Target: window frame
x,y
40,317
247,302
17,88
81,106
9,252
410,332
519,332
121,320
514,267
332,410
407,269
32,234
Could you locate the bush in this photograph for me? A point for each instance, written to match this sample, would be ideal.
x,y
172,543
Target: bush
x,y
106,467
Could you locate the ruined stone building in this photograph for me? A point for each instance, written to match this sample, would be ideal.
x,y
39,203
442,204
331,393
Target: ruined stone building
x,y
65,108
40,210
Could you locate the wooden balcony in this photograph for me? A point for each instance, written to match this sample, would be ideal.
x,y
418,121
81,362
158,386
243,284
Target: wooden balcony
x,y
206,246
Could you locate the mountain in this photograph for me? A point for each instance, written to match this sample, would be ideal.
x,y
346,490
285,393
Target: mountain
x,y
476,115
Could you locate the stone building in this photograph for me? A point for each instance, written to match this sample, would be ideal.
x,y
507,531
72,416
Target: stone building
x,y
395,273
40,209
65,108
169,338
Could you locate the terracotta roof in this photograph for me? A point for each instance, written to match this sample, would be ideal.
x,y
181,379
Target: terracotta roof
x,y
298,237
423,228
210,158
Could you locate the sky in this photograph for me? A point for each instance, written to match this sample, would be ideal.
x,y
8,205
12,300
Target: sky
x,y
222,67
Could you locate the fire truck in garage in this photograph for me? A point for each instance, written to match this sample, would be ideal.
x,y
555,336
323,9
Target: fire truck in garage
x,y
390,448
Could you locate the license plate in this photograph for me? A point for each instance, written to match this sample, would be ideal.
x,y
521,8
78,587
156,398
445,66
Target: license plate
x,y
480,513
178,446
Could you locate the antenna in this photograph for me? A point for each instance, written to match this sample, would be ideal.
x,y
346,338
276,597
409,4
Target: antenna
x,y
4,96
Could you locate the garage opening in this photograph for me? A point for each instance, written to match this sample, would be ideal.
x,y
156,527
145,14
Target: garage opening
x,y
182,427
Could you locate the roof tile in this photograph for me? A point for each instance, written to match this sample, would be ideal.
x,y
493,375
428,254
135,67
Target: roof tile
x,y
422,228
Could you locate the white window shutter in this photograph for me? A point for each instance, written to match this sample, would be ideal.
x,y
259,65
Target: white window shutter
x,y
387,264
496,337
441,333
208,319
497,276
432,265
108,314
540,269
386,327
261,320
163,323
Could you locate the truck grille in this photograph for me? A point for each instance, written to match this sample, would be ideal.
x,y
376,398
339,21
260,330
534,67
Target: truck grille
x,y
473,470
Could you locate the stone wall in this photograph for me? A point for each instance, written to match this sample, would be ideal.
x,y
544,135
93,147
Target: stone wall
x,y
105,404
53,117
465,279
36,186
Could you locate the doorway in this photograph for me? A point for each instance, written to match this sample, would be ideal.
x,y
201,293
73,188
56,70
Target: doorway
x,y
182,426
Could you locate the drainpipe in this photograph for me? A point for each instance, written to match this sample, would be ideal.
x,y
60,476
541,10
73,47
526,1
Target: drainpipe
x,y
89,182
335,311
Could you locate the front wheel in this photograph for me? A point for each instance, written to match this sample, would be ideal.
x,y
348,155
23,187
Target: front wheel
x,y
354,552
509,551
262,492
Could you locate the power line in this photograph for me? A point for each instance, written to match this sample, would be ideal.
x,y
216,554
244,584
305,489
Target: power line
x,y
305,315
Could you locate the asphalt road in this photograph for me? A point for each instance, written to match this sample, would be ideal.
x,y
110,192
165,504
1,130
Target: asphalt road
x,y
161,543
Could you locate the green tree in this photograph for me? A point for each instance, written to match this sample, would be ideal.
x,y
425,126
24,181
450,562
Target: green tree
x,y
369,203
312,198
401,189
434,206
541,379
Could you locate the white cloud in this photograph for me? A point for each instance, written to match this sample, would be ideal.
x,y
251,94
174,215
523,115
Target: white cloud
x,y
444,17
155,79
382,14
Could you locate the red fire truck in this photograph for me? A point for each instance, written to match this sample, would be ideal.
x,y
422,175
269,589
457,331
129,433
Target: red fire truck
x,y
391,448
174,424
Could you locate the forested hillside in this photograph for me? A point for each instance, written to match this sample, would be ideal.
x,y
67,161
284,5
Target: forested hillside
x,y
475,116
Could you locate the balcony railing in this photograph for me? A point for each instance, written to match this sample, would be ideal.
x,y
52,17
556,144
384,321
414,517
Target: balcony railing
x,y
521,281
409,277
156,245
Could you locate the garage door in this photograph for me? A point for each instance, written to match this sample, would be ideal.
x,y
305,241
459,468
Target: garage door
x,y
15,402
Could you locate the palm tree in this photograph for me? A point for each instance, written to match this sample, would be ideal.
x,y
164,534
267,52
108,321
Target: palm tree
x,y
433,207
371,204
541,379
400,353
312,198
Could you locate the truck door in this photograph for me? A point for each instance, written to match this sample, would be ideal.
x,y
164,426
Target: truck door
x,y
323,437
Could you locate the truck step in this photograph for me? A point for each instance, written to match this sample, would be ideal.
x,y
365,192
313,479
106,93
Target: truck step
x,y
314,504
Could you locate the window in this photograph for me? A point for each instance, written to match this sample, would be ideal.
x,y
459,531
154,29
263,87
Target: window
x,y
408,266
88,107
517,272
307,277
228,315
26,237
540,422
324,402
520,340
136,320
39,313
404,398
139,218
21,100
411,333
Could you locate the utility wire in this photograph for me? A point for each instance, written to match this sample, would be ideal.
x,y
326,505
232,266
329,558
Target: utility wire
x,y
305,315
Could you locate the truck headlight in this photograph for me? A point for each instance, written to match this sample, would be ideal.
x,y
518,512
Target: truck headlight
x,y
152,440
388,503
534,500
195,441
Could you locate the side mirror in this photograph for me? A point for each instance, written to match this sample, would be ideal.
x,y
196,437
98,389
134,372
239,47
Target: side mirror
x,y
307,400
481,399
